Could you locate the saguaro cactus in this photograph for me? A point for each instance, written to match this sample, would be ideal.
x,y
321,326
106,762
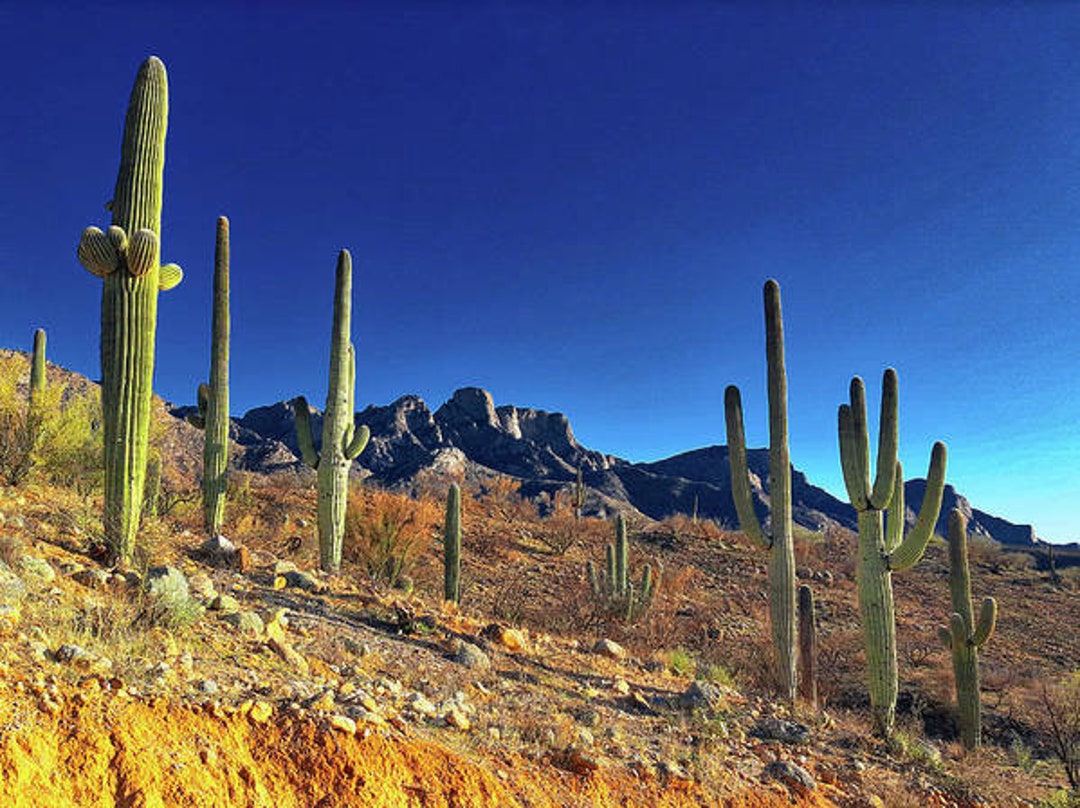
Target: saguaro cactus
x,y
615,586
213,398
807,647
37,369
883,551
452,546
964,637
778,539
127,258
341,440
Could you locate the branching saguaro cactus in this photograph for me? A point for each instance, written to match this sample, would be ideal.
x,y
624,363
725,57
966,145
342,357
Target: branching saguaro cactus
x,y
213,415
452,546
778,539
615,586
883,551
964,637
341,440
126,258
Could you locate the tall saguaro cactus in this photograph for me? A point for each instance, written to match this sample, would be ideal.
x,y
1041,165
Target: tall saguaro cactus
x,y
883,550
127,259
964,637
452,546
37,369
778,539
213,415
341,441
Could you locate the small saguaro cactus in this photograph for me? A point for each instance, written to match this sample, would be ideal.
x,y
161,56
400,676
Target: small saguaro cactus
x,y
37,369
883,551
964,637
341,440
807,647
615,586
778,539
578,494
452,546
213,398
127,259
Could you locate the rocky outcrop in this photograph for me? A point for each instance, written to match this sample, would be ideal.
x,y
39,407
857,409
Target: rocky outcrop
x,y
979,522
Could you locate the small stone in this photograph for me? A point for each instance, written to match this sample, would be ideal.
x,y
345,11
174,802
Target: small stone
x,y
245,622
703,695
510,638
777,729
208,686
217,551
343,723
456,718
471,656
202,587
37,569
301,580
621,686
91,578
261,712
226,603
324,702
609,649
793,776
419,704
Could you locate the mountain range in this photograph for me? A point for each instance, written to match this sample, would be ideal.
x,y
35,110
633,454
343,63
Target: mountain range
x,y
468,435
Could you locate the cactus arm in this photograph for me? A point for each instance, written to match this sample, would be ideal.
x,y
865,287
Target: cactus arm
x,y
358,443
854,479
740,474
987,620
860,437
888,442
894,522
169,277
302,413
912,548
354,440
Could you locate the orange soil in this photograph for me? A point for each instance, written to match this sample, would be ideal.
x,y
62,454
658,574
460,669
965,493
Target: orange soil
x,y
121,753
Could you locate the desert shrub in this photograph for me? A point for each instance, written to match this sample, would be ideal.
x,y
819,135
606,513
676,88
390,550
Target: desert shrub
x,y
1061,724
18,428
386,532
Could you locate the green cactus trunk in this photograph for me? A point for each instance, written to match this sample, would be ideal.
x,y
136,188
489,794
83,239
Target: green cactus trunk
x,y
878,620
452,546
37,370
779,540
216,442
964,637
883,551
807,647
127,258
341,441
622,557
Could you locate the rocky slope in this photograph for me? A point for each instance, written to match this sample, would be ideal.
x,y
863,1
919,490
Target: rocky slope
x,y
469,434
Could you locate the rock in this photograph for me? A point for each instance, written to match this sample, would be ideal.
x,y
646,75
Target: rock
x,y
510,638
420,705
703,696
302,580
91,578
777,729
456,718
792,775
217,551
261,711
245,622
202,587
207,686
609,649
343,723
471,656
324,702
227,603
621,686
37,569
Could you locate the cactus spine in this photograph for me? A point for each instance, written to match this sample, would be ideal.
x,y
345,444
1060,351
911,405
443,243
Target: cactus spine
x,y
778,541
881,550
452,546
341,440
213,398
616,586
964,637
37,370
127,258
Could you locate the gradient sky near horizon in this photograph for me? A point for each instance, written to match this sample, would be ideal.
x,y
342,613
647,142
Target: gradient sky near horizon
x,y
575,206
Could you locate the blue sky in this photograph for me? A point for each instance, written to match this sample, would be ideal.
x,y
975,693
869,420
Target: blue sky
x,y
575,206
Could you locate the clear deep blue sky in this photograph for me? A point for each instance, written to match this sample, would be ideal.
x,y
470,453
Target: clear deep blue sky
x,y
575,206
